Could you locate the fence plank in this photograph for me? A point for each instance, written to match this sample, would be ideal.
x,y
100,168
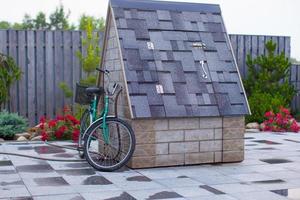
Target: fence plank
x,y
287,47
3,41
254,44
241,55
281,45
22,62
59,71
40,70
31,94
261,45
12,51
76,44
50,92
67,65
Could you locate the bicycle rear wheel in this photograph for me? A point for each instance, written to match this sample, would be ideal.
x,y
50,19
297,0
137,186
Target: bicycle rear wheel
x,y
84,124
112,152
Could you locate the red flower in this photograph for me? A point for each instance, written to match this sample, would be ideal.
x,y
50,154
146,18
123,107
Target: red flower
x,y
43,120
45,136
67,109
63,129
75,135
58,134
269,114
295,127
72,119
59,118
42,126
52,123
285,110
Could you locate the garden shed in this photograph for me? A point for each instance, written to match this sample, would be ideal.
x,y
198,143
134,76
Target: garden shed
x,y
183,94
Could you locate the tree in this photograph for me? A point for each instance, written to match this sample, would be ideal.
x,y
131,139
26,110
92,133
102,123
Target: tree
x,y
28,22
92,59
294,61
5,25
40,21
59,19
267,84
97,23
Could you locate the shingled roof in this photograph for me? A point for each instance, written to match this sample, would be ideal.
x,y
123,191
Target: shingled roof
x,y
177,59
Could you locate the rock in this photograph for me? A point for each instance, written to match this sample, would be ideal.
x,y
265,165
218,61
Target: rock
x,y
37,138
253,125
33,135
253,130
2,140
22,138
262,126
26,135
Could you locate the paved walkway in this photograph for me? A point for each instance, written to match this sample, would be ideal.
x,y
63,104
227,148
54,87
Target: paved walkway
x,y
271,171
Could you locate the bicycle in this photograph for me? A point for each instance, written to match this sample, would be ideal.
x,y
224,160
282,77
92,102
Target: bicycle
x,y
107,142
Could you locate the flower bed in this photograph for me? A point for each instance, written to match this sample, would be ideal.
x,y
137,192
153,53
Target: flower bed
x,y
280,122
63,127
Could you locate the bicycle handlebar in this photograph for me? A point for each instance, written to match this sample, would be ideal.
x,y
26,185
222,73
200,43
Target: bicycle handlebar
x,y
103,71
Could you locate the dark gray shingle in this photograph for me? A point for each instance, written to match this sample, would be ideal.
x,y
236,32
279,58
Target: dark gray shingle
x,y
176,30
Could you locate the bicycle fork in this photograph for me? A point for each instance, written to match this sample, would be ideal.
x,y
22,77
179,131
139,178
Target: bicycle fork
x,y
104,125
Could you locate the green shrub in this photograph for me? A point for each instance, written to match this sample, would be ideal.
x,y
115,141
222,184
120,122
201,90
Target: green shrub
x,y
260,103
9,74
267,84
11,124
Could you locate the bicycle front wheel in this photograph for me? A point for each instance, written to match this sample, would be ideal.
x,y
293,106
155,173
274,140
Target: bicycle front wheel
x,y
84,124
109,150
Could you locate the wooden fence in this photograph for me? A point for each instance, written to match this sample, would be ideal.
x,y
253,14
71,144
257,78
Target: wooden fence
x,y
295,80
47,58
254,45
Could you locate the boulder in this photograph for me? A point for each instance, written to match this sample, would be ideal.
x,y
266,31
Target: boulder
x,y
37,138
22,138
2,140
253,125
26,135
252,130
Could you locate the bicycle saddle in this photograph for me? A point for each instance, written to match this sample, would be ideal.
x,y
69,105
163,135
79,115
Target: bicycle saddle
x,y
95,90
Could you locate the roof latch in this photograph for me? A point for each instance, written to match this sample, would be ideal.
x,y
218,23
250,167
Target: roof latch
x,y
199,45
204,74
159,89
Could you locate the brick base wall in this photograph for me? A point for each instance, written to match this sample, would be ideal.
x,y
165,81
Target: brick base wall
x,y
186,141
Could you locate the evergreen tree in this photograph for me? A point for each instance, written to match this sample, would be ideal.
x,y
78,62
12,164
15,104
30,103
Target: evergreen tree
x,y
267,84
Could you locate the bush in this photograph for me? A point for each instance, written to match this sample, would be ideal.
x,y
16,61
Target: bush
x,y
267,84
63,127
261,102
11,124
280,122
9,74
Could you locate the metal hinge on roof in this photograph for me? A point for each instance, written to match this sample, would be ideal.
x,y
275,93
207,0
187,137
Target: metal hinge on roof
x,y
204,74
159,89
199,45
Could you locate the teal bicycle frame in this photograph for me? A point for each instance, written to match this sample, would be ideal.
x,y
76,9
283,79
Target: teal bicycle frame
x,y
103,115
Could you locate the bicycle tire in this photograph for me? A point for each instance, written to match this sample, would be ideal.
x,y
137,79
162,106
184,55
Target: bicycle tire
x,y
85,119
89,138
